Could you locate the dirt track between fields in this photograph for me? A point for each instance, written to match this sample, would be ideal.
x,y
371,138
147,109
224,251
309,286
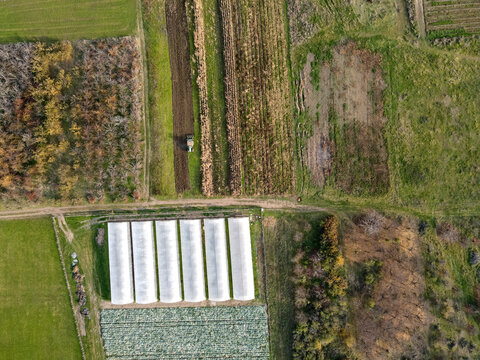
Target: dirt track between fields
x,y
179,46
179,203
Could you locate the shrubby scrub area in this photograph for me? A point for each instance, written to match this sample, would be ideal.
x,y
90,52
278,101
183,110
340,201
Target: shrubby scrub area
x,y
320,295
70,116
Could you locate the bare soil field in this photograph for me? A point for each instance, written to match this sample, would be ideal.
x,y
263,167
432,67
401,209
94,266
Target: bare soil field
x,y
344,103
396,320
179,49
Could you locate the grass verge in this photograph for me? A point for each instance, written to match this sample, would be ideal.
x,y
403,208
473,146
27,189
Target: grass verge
x,y
162,177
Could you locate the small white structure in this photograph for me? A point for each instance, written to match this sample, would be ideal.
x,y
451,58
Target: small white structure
x,y
217,263
241,258
168,261
120,258
144,269
192,260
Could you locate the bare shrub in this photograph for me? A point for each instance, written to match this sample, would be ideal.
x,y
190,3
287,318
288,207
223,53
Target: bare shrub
x,y
448,233
15,74
372,222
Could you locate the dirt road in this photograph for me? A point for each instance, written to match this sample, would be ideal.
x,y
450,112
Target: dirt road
x,y
223,202
179,50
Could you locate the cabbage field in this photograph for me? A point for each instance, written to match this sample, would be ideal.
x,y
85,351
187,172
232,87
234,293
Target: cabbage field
x,y
220,332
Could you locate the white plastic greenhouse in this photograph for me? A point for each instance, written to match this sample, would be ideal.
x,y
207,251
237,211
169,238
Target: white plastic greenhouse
x,y
144,270
192,260
241,258
217,263
168,261
120,257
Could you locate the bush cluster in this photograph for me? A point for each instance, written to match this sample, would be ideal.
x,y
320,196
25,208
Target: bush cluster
x,y
320,295
71,129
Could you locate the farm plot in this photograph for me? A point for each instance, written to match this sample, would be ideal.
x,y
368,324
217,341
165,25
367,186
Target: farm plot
x,y
71,121
452,17
340,100
36,318
258,111
186,333
162,173
22,20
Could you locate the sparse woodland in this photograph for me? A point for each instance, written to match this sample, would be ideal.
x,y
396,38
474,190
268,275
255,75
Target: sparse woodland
x,y
70,116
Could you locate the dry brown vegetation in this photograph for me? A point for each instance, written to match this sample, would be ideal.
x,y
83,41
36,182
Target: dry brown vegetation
x,y
231,98
344,101
395,319
205,126
300,20
257,92
74,130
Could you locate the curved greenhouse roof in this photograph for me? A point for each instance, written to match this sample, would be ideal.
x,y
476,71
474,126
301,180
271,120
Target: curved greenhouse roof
x,y
168,261
120,258
192,260
241,258
144,268
217,262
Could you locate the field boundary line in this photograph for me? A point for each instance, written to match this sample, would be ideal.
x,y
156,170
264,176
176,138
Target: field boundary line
x,y
62,262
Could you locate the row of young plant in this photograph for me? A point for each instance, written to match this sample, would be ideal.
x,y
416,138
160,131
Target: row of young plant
x,y
201,332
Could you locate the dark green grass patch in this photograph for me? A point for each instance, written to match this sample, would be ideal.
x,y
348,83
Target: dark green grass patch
x,y
22,20
36,320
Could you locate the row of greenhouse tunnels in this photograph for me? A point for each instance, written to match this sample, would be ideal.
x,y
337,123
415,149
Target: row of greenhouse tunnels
x,y
153,261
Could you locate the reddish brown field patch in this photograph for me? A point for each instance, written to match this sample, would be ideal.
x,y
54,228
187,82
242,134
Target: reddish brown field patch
x,y
398,319
344,103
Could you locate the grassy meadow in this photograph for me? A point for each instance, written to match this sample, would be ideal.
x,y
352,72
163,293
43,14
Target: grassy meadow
x,y
36,318
24,20
430,103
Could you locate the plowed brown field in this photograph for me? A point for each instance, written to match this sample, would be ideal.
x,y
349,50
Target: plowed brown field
x,y
179,49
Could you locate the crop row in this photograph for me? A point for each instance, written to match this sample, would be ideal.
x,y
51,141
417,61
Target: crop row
x,y
453,15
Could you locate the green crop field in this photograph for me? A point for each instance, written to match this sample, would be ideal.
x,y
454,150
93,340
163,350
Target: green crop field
x,y
22,20
36,319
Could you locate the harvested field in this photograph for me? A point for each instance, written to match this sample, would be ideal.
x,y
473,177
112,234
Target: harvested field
x,y
457,16
258,111
343,134
231,97
216,95
206,168
395,320
179,48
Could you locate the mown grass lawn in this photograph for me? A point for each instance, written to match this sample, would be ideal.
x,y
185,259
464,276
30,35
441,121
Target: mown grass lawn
x,y
36,321
22,20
